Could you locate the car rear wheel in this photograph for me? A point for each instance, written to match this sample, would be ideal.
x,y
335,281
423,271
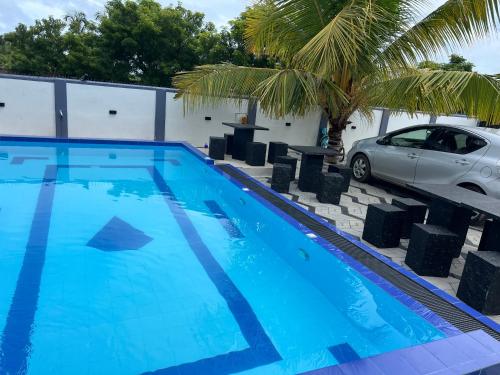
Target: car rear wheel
x,y
361,169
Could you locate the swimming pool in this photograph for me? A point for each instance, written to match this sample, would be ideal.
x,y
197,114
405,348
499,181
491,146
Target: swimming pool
x,y
131,259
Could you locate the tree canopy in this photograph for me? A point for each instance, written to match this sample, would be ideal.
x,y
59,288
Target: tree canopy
x,y
456,63
129,41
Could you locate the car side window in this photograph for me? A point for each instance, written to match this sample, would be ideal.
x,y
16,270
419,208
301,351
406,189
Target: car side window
x,y
455,142
413,138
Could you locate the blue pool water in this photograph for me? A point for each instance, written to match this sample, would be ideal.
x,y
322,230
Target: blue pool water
x,y
139,259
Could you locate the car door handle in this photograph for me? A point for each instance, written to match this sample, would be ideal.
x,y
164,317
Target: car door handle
x,y
462,162
413,156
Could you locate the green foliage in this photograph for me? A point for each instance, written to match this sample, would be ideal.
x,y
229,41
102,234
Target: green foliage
x,y
130,41
349,55
456,63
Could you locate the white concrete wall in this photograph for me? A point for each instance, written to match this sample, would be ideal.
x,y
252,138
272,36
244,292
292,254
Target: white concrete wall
x,y
192,126
88,112
302,130
399,120
361,128
29,108
456,120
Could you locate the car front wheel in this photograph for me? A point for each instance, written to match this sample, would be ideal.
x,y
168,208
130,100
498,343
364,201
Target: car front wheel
x,y
361,169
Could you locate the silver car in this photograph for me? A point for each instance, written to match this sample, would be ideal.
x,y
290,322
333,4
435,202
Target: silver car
x,y
435,154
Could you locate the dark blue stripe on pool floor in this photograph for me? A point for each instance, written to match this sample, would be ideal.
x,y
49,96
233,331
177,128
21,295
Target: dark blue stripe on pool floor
x,y
224,220
17,160
16,343
174,162
344,353
261,351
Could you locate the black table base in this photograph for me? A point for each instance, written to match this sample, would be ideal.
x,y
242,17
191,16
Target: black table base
x,y
454,218
311,167
490,240
241,138
480,283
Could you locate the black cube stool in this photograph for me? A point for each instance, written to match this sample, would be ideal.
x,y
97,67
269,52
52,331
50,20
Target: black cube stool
x,y
480,283
217,148
383,225
290,161
229,143
345,172
256,153
456,219
276,149
330,188
415,213
490,239
431,250
280,180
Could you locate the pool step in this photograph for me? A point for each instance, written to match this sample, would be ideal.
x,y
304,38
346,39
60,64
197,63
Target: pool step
x,y
462,354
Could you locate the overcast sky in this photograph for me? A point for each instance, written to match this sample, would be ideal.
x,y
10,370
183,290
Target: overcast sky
x,y
485,54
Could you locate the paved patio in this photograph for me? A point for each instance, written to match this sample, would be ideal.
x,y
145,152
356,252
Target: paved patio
x,y
349,217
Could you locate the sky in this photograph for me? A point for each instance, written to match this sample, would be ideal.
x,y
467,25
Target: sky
x,y
485,54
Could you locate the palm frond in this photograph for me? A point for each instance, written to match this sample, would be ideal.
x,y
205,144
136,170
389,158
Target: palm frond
x,y
351,39
281,28
453,25
441,92
211,85
296,92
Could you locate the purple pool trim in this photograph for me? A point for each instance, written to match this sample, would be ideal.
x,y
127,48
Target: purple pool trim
x,y
389,287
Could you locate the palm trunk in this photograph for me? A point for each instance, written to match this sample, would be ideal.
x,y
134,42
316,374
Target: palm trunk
x,y
336,126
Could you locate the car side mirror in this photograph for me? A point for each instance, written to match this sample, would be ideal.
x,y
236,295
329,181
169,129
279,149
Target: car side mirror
x,y
383,141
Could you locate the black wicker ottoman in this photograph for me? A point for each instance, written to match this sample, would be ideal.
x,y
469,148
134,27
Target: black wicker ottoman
x,y
431,250
256,153
383,225
290,161
346,173
415,213
330,188
490,239
229,143
480,283
276,149
280,180
217,148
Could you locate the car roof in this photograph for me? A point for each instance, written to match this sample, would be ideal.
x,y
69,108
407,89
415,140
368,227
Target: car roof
x,y
485,132
491,134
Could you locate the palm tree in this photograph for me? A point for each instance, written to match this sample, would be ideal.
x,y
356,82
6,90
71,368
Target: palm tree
x,y
350,55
